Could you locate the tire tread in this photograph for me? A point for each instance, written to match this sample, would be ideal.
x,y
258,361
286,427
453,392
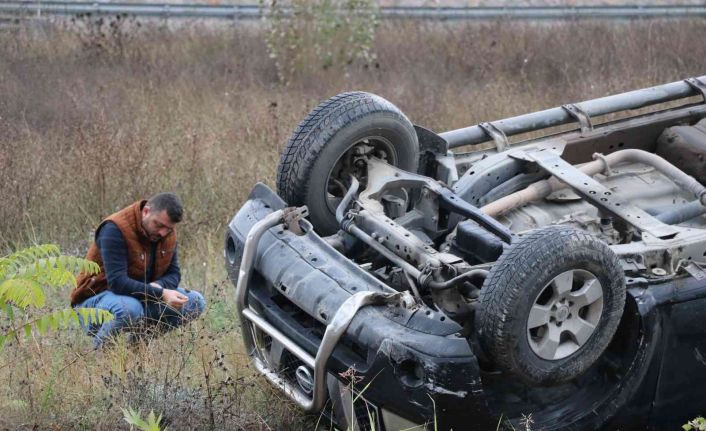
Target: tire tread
x,y
312,134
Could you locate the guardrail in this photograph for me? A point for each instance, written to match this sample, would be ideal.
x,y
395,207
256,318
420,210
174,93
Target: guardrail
x,y
241,12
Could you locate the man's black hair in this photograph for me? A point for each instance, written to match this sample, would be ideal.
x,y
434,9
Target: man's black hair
x,y
168,202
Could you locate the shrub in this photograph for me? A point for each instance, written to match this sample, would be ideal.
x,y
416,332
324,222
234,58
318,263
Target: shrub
x,y
306,35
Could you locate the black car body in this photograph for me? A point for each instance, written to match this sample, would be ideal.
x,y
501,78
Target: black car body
x,y
328,318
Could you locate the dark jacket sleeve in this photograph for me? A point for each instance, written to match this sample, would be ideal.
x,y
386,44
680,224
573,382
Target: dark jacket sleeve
x,y
113,249
172,276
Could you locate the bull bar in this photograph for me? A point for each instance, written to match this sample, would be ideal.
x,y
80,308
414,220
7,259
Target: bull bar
x,y
249,319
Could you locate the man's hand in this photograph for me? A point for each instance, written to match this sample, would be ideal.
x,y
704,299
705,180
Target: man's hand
x,y
173,298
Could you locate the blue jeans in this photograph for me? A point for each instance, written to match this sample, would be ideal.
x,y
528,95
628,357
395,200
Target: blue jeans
x,y
131,313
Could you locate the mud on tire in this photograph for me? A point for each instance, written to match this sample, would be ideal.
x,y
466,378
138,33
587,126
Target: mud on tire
x,y
554,283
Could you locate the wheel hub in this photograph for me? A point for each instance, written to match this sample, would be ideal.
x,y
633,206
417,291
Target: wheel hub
x,y
562,313
354,163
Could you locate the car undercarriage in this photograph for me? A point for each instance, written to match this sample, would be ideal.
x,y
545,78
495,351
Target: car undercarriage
x,y
401,277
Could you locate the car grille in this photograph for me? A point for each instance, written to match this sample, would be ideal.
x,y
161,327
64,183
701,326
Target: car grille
x,y
367,415
354,351
289,366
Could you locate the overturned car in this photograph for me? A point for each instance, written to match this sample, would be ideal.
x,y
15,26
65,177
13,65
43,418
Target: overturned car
x,y
394,281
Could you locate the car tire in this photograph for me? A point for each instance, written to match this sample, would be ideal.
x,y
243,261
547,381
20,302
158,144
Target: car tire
x,y
316,164
550,305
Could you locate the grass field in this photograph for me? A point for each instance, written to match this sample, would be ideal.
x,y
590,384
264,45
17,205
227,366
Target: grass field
x,y
94,117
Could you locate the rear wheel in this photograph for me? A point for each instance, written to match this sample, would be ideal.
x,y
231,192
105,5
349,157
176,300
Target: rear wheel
x,y
334,142
551,305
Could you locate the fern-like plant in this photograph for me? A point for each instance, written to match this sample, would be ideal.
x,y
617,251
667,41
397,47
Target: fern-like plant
x,y
24,276
134,418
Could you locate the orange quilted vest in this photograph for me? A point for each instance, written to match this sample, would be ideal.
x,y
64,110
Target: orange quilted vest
x,y
129,221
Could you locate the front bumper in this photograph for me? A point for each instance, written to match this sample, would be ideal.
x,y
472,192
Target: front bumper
x,y
411,364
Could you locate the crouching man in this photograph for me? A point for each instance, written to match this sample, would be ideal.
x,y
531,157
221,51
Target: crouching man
x,y
136,249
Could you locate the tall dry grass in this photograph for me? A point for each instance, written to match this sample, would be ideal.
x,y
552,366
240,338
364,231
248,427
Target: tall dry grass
x,y
93,118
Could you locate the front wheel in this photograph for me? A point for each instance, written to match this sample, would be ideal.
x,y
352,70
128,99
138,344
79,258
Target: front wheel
x,y
334,142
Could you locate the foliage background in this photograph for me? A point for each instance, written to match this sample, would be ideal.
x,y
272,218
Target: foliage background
x,y
96,114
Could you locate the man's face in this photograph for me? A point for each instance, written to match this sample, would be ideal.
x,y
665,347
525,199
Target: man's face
x,y
156,224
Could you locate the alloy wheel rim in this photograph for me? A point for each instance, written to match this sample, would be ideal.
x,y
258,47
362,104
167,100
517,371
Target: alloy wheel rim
x,y
565,314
